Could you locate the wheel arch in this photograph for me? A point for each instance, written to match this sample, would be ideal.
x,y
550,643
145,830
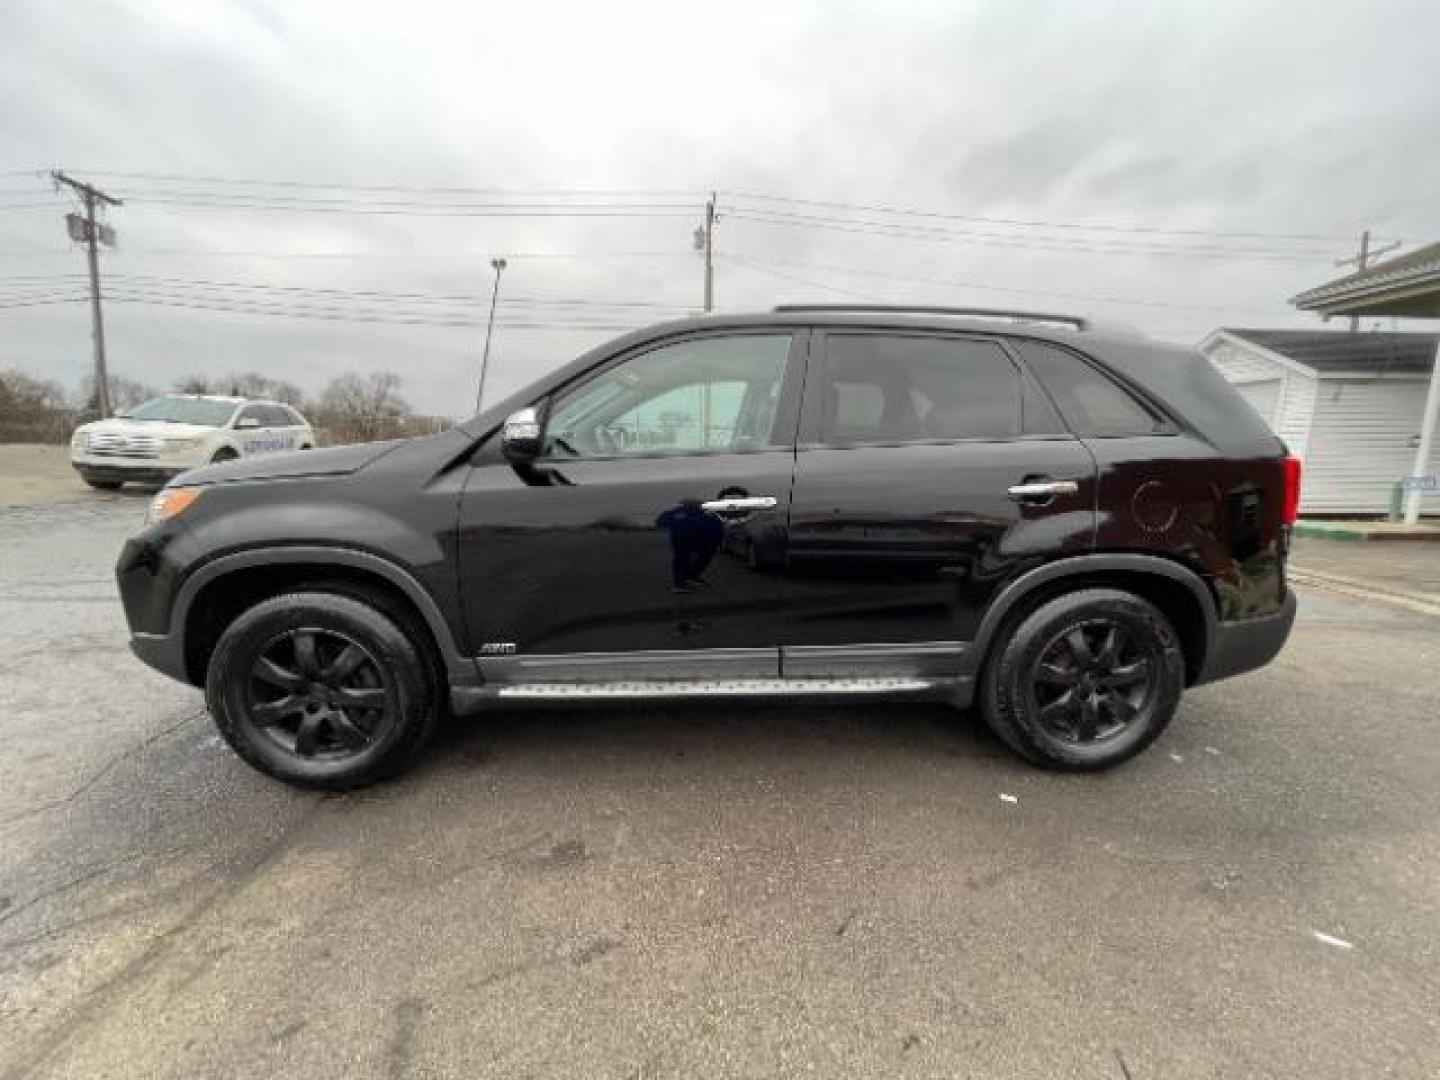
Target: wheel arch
x,y
1175,589
215,594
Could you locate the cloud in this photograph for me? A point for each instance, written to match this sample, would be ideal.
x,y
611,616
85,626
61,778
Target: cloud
x,y
1202,116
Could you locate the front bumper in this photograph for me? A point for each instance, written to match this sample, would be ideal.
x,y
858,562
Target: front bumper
x,y
1246,644
110,472
163,652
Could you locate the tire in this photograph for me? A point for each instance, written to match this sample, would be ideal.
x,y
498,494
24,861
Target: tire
x,y
223,454
352,707
1065,694
104,485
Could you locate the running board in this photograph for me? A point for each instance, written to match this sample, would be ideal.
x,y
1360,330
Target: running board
x,y
468,698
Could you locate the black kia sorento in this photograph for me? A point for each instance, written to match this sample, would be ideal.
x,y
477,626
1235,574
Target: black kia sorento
x,y
1062,524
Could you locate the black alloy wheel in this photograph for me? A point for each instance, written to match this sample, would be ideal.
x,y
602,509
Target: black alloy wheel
x,y
317,692
1085,680
1094,680
325,689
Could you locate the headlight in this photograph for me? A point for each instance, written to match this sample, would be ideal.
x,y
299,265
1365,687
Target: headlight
x,y
179,446
79,441
171,502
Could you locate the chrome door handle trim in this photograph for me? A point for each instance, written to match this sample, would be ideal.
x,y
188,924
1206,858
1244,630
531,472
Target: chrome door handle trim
x,y
733,506
1043,489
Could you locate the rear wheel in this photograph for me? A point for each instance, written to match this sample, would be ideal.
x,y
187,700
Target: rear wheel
x,y
1086,681
322,690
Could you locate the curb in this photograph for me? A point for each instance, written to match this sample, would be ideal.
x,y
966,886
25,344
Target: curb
x,y
1366,533
1423,603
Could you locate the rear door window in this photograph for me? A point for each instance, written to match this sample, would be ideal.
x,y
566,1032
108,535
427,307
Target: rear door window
x,y
899,388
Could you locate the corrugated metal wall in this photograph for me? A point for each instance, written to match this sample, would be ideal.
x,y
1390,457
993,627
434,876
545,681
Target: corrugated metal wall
x,y
1362,444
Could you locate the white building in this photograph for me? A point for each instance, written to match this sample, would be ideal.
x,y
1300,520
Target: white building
x,y
1350,405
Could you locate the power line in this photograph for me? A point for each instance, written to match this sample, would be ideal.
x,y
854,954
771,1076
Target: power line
x,y
441,211
1031,224
308,185
736,259
5,302
958,236
144,280
952,283
388,256
368,315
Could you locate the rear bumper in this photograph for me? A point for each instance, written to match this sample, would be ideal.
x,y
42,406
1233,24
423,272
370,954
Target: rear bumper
x,y
137,474
1247,644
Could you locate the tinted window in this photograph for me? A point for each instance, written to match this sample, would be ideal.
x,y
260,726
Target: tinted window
x,y
1091,402
891,388
715,393
252,412
276,416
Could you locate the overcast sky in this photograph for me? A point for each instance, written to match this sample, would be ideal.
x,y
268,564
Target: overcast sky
x,y
1288,127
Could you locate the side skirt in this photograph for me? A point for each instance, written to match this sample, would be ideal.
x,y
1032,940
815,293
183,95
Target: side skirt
x,y
954,690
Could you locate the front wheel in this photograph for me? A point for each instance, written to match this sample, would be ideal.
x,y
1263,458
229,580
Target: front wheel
x,y
322,690
1086,681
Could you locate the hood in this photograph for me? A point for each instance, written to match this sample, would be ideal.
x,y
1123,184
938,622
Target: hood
x,y
331,461
159,429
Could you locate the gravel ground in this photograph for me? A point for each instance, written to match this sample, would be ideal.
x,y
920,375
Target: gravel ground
x,y
722,892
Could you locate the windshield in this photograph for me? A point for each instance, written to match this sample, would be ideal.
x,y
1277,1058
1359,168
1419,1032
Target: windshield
x,y
185,410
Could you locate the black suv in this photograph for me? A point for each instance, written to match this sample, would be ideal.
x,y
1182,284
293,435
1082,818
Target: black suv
x,y
1062,524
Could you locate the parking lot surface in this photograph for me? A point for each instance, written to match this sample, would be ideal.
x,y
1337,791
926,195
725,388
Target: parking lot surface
x,y
727,891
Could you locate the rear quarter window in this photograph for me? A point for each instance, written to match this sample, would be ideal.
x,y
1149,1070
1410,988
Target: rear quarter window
x,y
1090,401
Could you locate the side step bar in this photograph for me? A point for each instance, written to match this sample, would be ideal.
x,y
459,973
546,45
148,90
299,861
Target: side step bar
x,y
469,698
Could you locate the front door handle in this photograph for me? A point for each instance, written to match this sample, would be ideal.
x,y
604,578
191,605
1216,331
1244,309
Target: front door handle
x,y
1042,490
740,505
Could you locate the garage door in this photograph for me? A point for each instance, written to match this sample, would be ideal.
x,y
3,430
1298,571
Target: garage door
x,y
1264,398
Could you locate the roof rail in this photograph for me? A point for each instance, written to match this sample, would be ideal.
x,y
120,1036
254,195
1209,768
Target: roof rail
x,y
1075,321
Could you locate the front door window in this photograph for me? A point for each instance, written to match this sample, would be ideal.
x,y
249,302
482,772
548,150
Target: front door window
x,y
704,395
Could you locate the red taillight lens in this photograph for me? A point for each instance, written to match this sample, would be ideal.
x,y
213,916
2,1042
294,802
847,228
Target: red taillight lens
x,y
1291,507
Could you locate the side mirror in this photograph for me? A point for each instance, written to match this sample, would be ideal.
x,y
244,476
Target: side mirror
x,y
520,437
247,422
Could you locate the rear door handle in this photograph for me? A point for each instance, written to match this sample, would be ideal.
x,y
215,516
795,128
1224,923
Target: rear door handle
x,y
1042,490
739,506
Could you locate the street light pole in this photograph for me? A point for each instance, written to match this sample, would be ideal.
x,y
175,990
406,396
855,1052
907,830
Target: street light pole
x,y
498,265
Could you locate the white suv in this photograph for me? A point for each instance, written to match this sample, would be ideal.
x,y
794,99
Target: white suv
x,y
167,435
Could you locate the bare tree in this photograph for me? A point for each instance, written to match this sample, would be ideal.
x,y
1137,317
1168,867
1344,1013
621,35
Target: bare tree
x,y
125,394
195,384
255,385
250,384
362,408
32,410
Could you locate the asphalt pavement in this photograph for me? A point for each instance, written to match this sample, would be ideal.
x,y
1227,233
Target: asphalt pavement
x,y
727,891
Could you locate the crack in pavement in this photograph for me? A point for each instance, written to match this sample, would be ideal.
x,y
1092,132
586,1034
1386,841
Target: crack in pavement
x,y
104,770
100,1001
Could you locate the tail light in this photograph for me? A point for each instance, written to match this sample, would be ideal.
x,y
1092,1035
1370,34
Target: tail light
x,y
1290,508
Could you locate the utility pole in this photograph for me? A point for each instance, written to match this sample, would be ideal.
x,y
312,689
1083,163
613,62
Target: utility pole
x,y
1361,260
498,265
88,230
705,243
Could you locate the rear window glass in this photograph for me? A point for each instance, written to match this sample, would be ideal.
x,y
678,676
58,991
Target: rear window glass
x,y
1091,402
